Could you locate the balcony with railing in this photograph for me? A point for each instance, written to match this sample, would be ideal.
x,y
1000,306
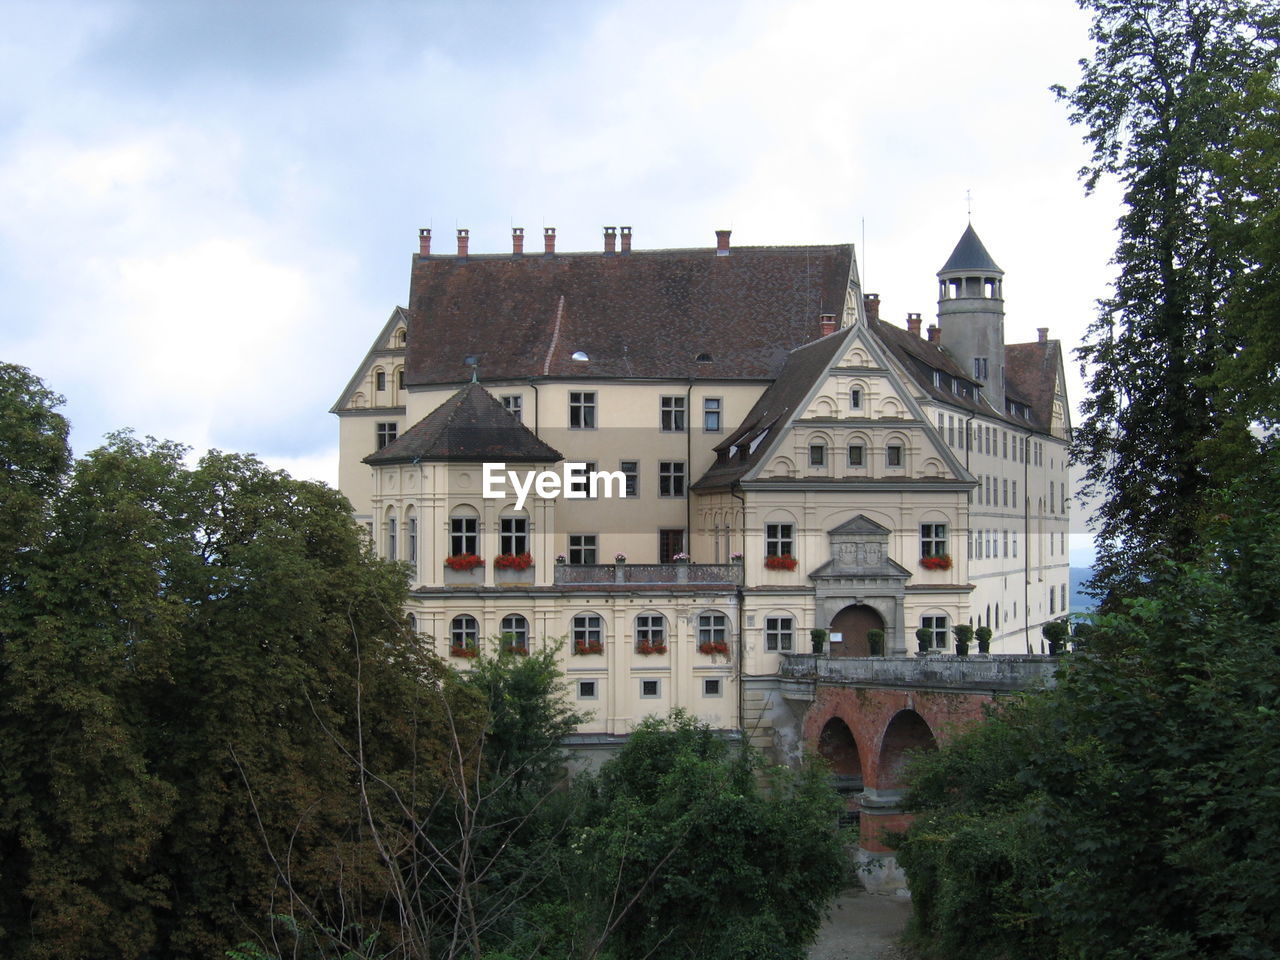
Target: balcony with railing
x,y
984,672
649,574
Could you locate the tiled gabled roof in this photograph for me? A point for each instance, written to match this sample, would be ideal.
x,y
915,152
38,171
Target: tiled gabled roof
x,y
649,313
472,426
1031,369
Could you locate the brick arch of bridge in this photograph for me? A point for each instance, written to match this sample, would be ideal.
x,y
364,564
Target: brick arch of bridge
x,y
868,713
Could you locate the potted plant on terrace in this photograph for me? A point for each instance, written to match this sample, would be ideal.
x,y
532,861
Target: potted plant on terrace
x,y
983,635
1056,633
964,636
924,639
681,557
875,642
819,638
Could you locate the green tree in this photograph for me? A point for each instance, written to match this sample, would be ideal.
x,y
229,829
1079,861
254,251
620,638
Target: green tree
x,y
1131,811
1161,103
684,854
34,458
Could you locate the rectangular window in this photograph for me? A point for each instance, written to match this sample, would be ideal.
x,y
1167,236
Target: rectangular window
x,y
979,368
400,378
380,380
933,539
650,689
463,535
513,536
671,478
711,410
937,626
951,431
630,469
515,406
779,539
413,539
893,455
1004,542
582,410
386,434
856,454
670,542
711,687
1013,495
1004,444
672,413
779,634
391,539
1014,538
817,454
855,399
651,628
582,548
581,484
1004,492
942,426
587,690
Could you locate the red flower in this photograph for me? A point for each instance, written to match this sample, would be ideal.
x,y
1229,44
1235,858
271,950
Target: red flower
x,y
781,561
467,652
588,646
513,561
464,561
714,646
942,562
646,648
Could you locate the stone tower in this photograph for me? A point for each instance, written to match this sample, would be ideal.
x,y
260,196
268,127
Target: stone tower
x,y
971,314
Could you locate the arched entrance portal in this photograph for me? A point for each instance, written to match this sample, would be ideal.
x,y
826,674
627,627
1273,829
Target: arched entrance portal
x,y
852,623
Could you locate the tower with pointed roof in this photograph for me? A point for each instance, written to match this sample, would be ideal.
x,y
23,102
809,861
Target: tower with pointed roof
x,y
971,314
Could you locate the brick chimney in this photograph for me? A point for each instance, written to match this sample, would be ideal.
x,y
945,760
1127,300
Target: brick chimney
x,y
549,240
722,243
610,240
871,305
913,324
827,321
1044,334
935,335
625,234
517,241
424,242
464,238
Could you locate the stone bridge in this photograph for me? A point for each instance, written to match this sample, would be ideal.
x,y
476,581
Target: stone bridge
x,y
865,713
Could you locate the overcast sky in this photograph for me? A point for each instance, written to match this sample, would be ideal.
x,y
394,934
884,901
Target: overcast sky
x,y
209,208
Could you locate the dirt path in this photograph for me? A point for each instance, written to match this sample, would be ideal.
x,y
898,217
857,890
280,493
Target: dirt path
x,y
863,927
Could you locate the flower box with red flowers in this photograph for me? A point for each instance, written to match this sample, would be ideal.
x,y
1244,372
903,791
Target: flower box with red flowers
x,y
942,562
513,561
714,646
780,561
467,652
649,649
588,646
515,649
463,561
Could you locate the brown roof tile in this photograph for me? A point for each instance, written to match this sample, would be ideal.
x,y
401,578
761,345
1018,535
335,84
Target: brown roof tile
x,y
1031,369
472,426
644,314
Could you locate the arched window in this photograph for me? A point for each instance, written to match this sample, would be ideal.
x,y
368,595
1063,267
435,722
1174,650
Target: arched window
x,y
713,632
587,633
515,632
464,633
651,633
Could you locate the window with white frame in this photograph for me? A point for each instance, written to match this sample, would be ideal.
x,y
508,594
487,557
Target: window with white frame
x,y
711,687
464,632
779,634
587,629
651,629
855,398
937,627
779,539
587,690
713,627
582,409
515,406
386,434
380,380
671,414
391,539
893,455
464,535
515,631
712,408
817,454
857,453
411,530
582,548
933,539
513,535
630,470
650,689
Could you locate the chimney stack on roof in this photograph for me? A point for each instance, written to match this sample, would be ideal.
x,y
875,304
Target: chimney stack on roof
x,y
1044,334
935,335
517,241
625,233
871,305
424,242
913,324
549,240
464,238
828,323
722,243
610,240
